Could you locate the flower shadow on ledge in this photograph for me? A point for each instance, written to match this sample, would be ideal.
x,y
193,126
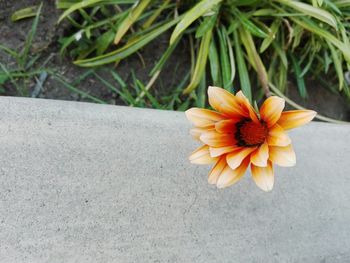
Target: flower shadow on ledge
x,y
236,136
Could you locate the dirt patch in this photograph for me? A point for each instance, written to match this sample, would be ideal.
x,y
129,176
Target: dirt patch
x,y
13,34
46,44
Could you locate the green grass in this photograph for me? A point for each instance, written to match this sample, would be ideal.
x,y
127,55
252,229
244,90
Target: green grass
x,y
264,41
24,69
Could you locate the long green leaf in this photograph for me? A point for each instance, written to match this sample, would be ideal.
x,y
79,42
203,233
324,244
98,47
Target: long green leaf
x,y
206,25
90,3
310,10
242,68
224,59
312,27
28,44
201,62
249,25
198,10
214,64
130,19
299,78
272,35
254,57
24,13
337,65
164,57
128,49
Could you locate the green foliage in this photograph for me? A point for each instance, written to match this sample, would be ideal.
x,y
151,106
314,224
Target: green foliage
x,y
24,67
264,40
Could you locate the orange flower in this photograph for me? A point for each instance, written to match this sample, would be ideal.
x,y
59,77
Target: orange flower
x,y
235,135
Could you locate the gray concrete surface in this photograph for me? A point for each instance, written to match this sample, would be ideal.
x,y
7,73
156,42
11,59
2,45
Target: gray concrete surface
x,y
90,183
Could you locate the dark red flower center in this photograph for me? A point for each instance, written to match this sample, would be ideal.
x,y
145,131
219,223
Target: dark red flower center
x,y
250,133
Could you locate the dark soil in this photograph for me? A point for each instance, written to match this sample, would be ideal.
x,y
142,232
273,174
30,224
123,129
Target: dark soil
x,y
13,34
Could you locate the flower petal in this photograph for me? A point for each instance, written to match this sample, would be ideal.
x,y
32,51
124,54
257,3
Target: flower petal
x,y
197,132
215,152
277,136
263,176
235,158
229,177
203,117
215,139
226,126
201,156
295,118
216,170
271,110
224,102
248,108
260,156
283,156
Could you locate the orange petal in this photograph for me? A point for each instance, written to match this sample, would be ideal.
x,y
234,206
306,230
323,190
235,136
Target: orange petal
x,y
277,136
260,156
214,152
197,132
263,176
216,170
224,102
229,177
271,110
202,156
295,118
215,139
248,108
203,117
226,126
235,158
283,156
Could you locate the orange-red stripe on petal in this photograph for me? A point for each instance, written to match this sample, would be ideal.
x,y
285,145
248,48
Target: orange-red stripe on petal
x,y
235,158
215,139
247,107
224,102
277,136
282,156
226,126
216,170
260,156
203,117
229,176
271,110
201,156
263,176
295,118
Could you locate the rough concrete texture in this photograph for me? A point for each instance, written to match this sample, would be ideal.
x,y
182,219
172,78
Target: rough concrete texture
x,y
89,183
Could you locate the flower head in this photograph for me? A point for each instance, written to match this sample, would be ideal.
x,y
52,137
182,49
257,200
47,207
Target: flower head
x,y
236,136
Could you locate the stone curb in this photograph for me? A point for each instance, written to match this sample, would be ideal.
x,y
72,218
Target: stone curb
x,y
81,182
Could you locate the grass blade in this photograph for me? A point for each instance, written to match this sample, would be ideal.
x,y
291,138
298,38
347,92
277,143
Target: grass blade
x,y
214,64
128,49
337,65
25,13
299,78
224,60
201,62
130,19
78,91
28,43
242,68
197,11
310,10
255,59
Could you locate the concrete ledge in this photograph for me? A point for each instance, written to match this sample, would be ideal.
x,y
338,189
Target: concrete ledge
x,y
89,183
